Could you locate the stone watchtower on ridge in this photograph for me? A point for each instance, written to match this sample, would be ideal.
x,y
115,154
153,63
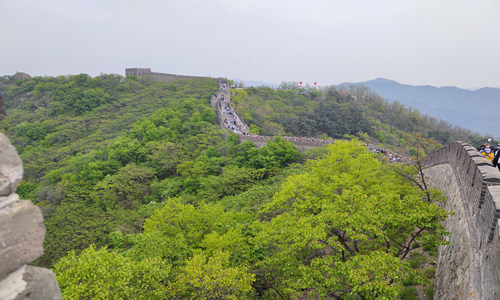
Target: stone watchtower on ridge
x,y
139,72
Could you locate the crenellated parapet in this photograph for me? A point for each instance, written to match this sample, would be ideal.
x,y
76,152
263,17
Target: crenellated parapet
x,y
469,267
165,77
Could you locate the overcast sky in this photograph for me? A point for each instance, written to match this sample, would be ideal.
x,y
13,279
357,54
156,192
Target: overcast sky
x,y
417,42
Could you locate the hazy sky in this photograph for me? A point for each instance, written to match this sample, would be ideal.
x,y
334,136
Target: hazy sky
x,y
418,42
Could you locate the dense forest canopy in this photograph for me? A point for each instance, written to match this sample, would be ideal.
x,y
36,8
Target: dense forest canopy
x,y
143,194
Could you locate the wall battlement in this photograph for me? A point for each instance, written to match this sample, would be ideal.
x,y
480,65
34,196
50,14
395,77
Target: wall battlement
x,y
146,73
469,267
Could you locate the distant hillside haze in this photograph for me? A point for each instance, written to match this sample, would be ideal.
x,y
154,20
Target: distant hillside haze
x,y
477,110
249,83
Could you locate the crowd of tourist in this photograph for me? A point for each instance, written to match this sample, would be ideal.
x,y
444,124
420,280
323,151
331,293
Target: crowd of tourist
x,y
229,116
492,154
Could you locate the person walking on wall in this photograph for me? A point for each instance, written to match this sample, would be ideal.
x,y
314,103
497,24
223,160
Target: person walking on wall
x,y
495,159
488,153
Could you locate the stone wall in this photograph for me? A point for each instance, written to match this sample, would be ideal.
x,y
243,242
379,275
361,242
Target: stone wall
x,y
469,267
21,236
165,77
169,77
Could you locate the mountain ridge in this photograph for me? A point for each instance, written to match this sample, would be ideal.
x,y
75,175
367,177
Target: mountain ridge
x,y
456,105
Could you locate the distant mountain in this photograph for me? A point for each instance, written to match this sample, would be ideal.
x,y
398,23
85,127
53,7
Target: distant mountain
x,y
477,110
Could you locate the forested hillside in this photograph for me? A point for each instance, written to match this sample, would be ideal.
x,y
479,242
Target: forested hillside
x,y
145,197
337,112
458,106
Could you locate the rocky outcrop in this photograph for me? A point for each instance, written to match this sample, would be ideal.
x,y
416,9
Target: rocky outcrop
x,y
21,236
2,108
21,76
11,168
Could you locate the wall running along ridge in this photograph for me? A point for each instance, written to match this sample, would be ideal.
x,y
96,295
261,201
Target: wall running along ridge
x,y
302,143
165,77
469,267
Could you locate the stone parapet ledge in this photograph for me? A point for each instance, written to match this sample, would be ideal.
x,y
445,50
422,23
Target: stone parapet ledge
x,y
21,236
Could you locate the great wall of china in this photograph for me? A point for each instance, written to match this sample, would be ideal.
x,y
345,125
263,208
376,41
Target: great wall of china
x,y
220,101
146,72
229,118
467,268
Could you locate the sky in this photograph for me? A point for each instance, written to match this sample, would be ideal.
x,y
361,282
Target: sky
x,y
416,42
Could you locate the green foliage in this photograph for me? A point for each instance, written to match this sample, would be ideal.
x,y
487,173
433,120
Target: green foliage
x,y
232,181
72,227
128,188
97,170
212,278
350,212
26,190
140,166
429,292
176,218
32,132
254,129
278,153
337,111
409,293
103,274
80,95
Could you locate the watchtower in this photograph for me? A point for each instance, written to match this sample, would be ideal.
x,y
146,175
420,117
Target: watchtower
x,y
139,72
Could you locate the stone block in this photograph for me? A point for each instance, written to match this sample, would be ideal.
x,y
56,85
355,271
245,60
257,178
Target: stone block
x,y
41,284
480,160
491,175
11,167
30,283
21,235
13,284
8,200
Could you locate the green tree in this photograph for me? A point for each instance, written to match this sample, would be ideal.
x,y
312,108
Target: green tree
x,y
128,188
103,274
277,153
345,227
193,223
32,132
213,278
